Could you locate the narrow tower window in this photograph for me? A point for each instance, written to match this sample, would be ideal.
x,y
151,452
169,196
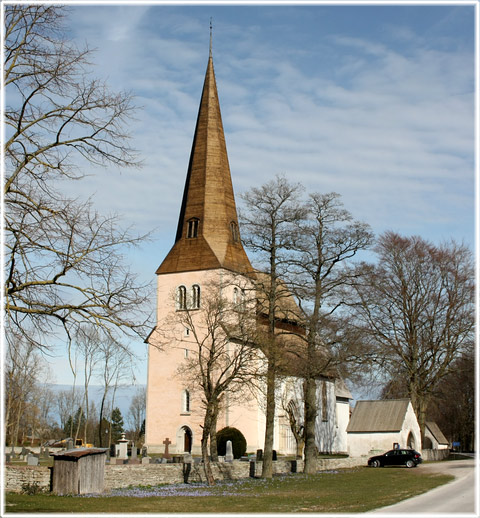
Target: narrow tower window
x,y
234,230
182,297
195,296
192,228
186,401
235,295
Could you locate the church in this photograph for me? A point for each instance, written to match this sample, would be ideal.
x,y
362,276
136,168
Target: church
x,y
207,251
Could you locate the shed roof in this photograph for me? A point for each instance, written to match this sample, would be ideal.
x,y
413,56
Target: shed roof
x,y
385,415
78,452
436,432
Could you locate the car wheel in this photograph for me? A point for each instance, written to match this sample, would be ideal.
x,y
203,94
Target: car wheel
x,y
410,464
375,464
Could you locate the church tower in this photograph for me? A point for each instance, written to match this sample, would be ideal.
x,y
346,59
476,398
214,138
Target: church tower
x,y
207,246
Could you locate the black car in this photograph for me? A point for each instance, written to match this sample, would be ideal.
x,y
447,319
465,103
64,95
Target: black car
x,y
400,457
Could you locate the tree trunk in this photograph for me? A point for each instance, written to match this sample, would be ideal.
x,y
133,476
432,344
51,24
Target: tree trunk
x,y
100,435
213,436
207,426
267,466
310,405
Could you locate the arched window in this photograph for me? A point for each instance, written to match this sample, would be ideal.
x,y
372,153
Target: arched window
x,y
243,300
234,230
324,401
195,296
186,401
181,297
235,295
192,228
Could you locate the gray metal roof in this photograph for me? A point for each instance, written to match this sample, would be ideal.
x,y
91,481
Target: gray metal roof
x,y
386,415
341,389
436,432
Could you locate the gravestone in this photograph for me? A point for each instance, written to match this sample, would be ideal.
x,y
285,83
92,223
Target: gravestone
x,y
274,454
229,454
252,469
112,450
145,460
46,452
187,467
122,448
70,444
167,443
7,458
133,456
32,460
259,455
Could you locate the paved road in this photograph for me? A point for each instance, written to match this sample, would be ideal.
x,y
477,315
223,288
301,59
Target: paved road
x,y
456,498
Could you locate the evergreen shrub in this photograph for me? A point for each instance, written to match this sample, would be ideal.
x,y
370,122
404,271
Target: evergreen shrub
x,y
239,443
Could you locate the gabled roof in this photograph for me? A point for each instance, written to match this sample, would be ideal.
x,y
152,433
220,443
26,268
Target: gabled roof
x,y
208,198
436,432
387,415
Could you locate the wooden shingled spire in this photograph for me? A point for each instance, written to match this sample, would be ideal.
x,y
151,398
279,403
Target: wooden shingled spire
x,y
207,233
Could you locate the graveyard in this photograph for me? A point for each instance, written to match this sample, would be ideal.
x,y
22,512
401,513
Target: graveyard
x,y
122,479
343,490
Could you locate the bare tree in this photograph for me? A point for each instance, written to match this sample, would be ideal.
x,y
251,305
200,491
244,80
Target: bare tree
x,y
67,402
63,260
416,310
222,358
114,365
267,224
22,366
137,412
328,238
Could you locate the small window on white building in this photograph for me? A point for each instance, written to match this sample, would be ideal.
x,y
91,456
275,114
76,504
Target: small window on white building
x,y
324,401
186,353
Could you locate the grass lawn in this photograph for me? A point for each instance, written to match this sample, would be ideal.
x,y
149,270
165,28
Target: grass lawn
x,y
341,491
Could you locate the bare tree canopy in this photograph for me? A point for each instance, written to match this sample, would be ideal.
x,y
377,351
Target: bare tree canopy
x,y
64,263
327,239
268,230
416,310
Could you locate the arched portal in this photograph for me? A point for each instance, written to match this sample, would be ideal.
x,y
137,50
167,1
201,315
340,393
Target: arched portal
x,y
187,439
411,441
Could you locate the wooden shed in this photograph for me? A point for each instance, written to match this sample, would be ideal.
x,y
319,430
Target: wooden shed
x,y
78,471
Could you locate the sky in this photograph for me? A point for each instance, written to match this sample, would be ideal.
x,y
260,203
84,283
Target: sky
x,y
375,102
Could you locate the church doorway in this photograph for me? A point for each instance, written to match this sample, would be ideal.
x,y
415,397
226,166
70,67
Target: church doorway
x,y
187,439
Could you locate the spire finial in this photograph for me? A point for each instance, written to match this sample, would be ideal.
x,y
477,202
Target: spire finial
x,y
210,36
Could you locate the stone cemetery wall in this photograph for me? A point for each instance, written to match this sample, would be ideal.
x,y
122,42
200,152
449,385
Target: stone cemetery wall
x,y
124,475
17,476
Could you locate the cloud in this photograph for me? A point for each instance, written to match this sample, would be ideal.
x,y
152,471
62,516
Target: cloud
x,y
391,128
